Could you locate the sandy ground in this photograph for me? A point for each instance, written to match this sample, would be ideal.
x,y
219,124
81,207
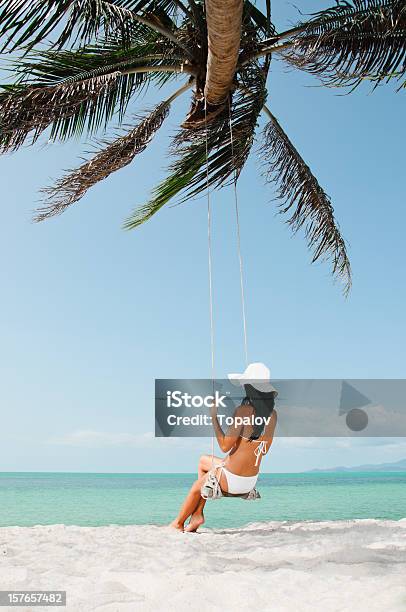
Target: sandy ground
x,y
326,566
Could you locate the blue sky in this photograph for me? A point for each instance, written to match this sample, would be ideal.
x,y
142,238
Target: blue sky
x,y
91,314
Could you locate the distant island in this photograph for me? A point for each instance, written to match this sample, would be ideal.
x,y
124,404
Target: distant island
x,y
399,466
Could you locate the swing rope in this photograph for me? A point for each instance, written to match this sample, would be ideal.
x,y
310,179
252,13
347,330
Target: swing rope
x,y
237,218
210,256
210,262
210,266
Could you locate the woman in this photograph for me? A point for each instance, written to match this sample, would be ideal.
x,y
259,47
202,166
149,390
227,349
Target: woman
x,y
246,445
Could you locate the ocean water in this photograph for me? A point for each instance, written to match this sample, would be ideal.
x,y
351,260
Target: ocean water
x,y
28,499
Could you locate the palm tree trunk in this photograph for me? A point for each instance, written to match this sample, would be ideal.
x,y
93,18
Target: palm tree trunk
x,y
224,33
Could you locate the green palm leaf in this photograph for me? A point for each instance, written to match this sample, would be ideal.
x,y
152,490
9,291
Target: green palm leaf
x,y
28,22
231,147
227,151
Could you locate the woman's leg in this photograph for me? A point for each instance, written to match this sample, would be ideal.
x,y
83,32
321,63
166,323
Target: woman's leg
x,y
194,503
205,464
197,518
189,505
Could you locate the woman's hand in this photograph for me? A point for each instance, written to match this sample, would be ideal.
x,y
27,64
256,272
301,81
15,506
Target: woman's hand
x,y
213,410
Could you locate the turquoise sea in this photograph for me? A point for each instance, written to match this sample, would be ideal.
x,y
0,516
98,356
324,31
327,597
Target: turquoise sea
x,y
124,499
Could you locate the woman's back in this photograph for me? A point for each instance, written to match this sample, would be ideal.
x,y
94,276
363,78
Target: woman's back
x,y
245,457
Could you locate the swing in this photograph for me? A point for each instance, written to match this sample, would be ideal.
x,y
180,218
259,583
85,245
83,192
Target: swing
x,y
211,488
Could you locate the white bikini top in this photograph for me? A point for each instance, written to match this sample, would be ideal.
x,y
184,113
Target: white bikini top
x,y
260,449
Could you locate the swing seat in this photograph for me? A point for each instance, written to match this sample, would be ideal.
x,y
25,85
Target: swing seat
x,y
211,489
250,496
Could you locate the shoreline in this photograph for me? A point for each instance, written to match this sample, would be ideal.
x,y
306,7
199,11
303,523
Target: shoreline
x,y
205,529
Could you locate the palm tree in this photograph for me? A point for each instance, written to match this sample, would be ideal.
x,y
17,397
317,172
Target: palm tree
x,y
105,52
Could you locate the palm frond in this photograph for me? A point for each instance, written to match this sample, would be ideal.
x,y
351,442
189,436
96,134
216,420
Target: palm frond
x,y
32,109
300,192
197,9
28,22
190,160
255,27
168,189
227,151
231,147
258,18
353,41
47,68
112,157
73,91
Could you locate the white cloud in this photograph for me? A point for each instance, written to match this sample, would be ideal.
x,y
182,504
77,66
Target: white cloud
x,y
87,438
94,439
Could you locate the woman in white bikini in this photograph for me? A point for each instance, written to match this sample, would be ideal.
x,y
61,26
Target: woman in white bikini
x,y
245,444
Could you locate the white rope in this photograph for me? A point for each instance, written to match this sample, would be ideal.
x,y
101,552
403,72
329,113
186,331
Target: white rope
x,y
210,262
210,258
237,218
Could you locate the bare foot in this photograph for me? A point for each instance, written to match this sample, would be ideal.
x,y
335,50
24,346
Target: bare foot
x,y
176,525
195,522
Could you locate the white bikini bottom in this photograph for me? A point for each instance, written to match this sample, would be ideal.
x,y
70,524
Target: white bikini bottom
x,y
239,484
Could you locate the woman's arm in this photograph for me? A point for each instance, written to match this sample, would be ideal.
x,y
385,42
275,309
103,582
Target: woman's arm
x,y
270,430
225,442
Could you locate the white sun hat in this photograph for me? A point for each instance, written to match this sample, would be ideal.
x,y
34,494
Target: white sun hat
x,y
257,375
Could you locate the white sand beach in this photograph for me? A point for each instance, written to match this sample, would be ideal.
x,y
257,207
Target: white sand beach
x,y
308,566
